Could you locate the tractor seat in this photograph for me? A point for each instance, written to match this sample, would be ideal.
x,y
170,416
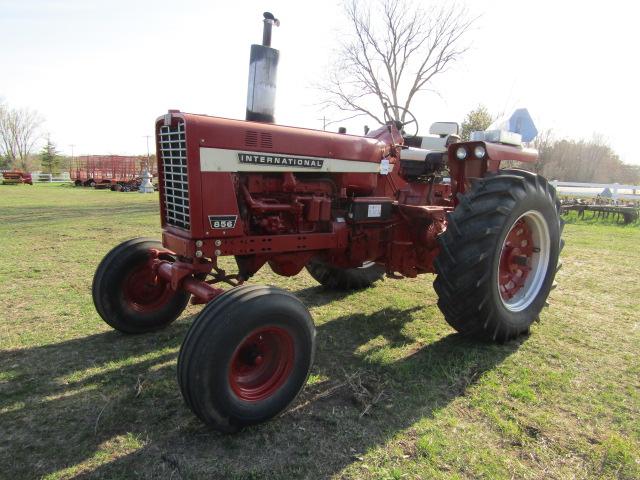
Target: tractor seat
x,y
416,162
441,135
434,143
426,155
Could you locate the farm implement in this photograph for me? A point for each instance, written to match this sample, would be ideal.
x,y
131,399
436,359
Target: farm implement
x,y
16,178
624,214
350,210
115,172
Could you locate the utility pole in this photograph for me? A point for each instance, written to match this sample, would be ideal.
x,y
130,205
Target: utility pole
x,y
71,164
326,122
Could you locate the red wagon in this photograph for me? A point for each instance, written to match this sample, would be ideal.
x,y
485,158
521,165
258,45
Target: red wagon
x,y
16,177
117,172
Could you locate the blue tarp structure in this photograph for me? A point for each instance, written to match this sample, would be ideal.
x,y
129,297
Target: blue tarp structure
x,y
522,123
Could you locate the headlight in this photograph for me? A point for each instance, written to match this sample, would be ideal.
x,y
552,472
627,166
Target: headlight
x,y
461,153
479,151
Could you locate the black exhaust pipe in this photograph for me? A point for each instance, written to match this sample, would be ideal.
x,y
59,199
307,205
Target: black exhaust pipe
x,y
263,70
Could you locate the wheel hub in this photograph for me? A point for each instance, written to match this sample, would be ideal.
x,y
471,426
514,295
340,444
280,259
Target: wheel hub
x,y
524,261
515,259
261,363
143,291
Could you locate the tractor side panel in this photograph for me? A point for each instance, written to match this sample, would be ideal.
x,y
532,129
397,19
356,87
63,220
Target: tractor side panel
x,y
220,206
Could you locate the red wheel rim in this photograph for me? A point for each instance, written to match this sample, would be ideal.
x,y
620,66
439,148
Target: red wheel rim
x,y
515,259
144,292
261,364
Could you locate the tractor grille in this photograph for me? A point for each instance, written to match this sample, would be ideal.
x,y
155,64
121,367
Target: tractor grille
x,y
173,155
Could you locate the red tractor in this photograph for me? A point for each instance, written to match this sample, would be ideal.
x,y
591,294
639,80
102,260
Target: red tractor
x,y
350,209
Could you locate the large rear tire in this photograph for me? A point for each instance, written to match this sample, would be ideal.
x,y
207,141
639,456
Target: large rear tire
x,y
246,357
499,255
336,278
126,295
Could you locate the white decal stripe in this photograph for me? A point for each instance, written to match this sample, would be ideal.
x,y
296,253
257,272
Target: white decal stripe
x,y
223,160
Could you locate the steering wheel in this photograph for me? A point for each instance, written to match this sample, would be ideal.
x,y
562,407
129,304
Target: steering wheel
x,y
388,117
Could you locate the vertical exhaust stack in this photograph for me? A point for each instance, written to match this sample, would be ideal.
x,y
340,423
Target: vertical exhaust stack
x,y
263,69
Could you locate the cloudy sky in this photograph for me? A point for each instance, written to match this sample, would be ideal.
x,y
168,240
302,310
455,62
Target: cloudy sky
x,y
100,72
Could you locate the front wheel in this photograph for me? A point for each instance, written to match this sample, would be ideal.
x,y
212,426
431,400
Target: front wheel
x,y
128,296
499,255
246,356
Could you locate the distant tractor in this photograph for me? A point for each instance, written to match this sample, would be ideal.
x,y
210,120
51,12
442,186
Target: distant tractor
x,y
16,177
349,209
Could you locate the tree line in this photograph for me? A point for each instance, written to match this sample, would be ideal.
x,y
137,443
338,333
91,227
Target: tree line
x,y
20,131
591,160
584,160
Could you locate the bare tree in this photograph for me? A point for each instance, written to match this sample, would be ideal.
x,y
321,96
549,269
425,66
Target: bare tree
x,y
19,132
7,152
4,160
543,143
394,50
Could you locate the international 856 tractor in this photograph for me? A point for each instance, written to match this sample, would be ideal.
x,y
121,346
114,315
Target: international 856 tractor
x,y
350,209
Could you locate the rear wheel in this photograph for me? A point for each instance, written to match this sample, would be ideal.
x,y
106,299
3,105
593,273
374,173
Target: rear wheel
x,y
127,295
499,255
246,357
337,278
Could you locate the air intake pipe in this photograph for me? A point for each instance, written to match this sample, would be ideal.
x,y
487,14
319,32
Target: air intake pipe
x,y
263,69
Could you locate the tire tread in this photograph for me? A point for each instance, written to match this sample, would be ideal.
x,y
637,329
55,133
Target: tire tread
x,y
462,267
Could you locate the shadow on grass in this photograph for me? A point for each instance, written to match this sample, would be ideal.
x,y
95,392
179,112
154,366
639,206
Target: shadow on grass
x,y
318,296
116,399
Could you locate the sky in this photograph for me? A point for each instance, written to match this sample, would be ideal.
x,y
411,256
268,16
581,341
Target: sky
x,y
101,72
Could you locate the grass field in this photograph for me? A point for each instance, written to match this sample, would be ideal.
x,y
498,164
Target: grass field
x,y
394,393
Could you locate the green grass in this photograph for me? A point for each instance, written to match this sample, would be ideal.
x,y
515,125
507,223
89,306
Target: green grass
x,y
80,400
